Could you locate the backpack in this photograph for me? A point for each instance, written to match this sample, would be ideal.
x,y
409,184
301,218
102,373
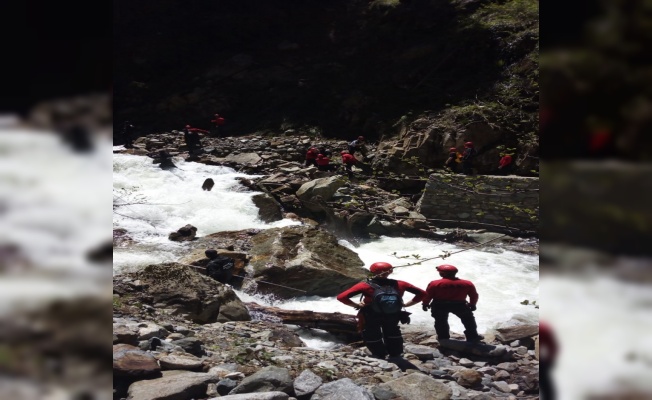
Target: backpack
x,y
218,264
386,299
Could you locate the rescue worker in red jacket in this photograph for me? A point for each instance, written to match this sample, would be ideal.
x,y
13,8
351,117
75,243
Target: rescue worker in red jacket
x,y
323,163
191,137
381,332
548,349
349,161
218,122
311,156
505,165
448,295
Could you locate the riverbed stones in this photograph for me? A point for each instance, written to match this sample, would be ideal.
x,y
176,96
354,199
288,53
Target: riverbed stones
x,y
341,389
267,379
419,387
180,361
306,383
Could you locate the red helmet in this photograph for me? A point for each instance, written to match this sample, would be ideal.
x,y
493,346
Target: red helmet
x,y
187,126
468,144
380,267
447,268
320,156
452,149
344,152
360,137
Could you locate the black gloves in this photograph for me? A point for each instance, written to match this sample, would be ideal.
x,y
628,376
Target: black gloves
x,y
404,317
472,307
425,307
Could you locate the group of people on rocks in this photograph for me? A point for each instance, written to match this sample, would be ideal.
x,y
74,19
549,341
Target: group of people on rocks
x,y
320,158
466,159
380,310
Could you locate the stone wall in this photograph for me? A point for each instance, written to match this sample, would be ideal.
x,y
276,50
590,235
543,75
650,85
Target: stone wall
x,y
496,203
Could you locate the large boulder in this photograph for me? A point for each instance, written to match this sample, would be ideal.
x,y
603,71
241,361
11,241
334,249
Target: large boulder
x,y
174,385
341,389
191,294
268,209
305,258
313,192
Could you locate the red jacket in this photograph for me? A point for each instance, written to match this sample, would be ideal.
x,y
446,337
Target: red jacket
x,y
451,289
196,130
312,153
349,159
368,291
505,161
547,343
323,161
219,121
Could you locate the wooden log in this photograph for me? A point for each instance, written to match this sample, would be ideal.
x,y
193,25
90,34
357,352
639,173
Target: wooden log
x,y
336,323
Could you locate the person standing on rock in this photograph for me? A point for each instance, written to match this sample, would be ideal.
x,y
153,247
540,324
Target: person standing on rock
x,y
451,161
548,349
380,309
218,122
467,158
219,267
448,295
348,160
191,137
128,134
358,145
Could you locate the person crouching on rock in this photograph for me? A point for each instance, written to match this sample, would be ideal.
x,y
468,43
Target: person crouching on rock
x,y
219,267
311,156
323,163
380,309
448,295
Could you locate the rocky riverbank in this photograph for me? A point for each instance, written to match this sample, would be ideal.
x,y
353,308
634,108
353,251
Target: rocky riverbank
x,y
196,340
179,334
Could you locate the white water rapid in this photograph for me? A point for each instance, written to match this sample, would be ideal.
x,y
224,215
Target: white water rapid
x,y
174,199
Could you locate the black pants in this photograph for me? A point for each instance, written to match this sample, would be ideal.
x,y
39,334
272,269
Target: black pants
x,y
440,312
546,386
381,334
222,275
467,167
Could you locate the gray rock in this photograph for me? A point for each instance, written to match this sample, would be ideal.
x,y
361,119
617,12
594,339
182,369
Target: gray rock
x,y
306,383
341,389
422,352
174,385
266,380
184,234
243,158
501,375
190,345
382,393
125,334
419,387
507,366
510,333
225,386
180,361
268,209
151,330
502,386
323,187
465,362
255,396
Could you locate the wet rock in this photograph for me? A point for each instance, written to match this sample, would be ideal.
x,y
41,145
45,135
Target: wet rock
x,y
190,345
423,352
306,258
269,210
184,234
510,333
